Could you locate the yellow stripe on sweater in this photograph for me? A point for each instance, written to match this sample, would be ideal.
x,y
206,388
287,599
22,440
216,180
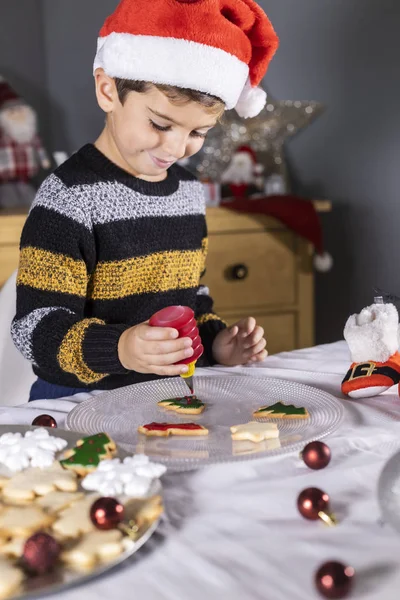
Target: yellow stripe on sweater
x,y
208,317
158,272
45,270
70,355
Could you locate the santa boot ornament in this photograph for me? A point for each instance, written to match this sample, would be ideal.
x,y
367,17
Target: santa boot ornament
x,y
372,337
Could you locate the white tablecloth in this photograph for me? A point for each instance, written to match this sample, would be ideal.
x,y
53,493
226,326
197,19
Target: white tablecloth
x,y
233,531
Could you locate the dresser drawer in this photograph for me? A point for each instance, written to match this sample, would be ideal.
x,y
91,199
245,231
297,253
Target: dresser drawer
x,y
8,262
268,273
280,329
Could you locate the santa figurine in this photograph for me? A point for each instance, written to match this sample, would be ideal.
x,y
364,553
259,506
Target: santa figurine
x,y
21,150
243,177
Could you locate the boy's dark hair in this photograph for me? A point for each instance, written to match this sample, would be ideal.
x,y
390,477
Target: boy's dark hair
x,y
175,94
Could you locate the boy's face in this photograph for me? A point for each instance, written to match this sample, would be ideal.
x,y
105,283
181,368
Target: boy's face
x,y
148,133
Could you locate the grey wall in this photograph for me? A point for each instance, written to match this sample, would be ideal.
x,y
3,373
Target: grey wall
x,y
345,54
22,55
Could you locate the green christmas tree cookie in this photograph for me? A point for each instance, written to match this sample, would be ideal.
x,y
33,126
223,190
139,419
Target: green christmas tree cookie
x,y
88,452
281,411
187,405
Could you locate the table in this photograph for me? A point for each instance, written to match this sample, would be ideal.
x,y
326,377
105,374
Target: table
x,y
232,532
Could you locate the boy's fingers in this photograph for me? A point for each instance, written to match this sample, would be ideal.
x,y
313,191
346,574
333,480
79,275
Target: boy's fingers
x,y
167,346
170,358
246,326
254,337
157,333
257,348
231,332
259,357
168,371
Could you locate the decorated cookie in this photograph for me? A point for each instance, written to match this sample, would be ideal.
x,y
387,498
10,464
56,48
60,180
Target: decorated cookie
x,y
36,448
39,482
10,579
133,477
144,512
55,502
255,432
165,429
88,452
75,520
94,547
188,405
281,411
22,521
14,547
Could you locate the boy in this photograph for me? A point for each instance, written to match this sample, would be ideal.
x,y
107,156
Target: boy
x,y
118,231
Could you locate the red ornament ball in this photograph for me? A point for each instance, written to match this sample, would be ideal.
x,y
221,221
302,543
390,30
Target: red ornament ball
x,y
316,455
106,513
312,501
334,580
40,553
44,421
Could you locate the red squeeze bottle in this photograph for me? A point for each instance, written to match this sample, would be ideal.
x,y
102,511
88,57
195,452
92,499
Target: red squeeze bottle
x,y
181,318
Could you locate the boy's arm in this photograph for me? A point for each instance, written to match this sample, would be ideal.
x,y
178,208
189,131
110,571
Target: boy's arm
x,y
57,257
208,322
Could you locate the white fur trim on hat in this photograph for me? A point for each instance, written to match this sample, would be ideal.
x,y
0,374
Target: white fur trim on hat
x,y
372,334
173,61
251,102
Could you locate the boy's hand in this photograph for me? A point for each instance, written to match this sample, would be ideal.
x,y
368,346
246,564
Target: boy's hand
x,y
239,344
146,349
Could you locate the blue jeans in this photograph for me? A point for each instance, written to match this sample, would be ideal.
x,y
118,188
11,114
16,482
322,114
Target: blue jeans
x,y
42,389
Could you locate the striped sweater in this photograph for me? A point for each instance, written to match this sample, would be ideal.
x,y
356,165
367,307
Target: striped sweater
x,y
101,251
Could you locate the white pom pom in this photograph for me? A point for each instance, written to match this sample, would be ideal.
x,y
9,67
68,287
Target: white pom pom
x,y
323,262
251,101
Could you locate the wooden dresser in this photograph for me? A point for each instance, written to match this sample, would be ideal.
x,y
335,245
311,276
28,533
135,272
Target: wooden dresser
x,y
257,267
11,223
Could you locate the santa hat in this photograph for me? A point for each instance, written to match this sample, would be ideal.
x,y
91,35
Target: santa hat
x,y
8,97
220,47
298,214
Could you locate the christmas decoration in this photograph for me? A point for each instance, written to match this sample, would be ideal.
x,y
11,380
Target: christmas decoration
x,y
44,421
334,580
227,59
265,133
21,150
40,553
316,455
373,340
106,513
296,213
313,504
243,177
275,185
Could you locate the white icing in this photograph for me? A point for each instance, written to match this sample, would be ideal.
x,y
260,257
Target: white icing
x,y
36,448
132,477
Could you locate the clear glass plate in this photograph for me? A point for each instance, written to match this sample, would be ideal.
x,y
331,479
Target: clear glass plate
x,y
389,491
229,401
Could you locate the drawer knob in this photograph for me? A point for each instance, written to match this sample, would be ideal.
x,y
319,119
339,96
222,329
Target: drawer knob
x,y
238,272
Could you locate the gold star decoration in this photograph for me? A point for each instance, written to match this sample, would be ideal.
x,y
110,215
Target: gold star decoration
x,y
266,134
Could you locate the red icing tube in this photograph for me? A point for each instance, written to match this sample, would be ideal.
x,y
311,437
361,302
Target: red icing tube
x,y
182,319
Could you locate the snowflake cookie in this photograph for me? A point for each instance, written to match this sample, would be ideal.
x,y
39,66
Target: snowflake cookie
x,y
36,448
131,477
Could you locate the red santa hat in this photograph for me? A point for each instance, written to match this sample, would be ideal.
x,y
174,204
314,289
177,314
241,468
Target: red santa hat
x,y
220,47
8,97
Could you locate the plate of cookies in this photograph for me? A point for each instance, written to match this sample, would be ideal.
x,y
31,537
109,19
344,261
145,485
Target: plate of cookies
x,y
226,419
71,508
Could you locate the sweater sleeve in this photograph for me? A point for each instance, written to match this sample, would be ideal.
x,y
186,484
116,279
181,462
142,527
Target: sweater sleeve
x,y
52,327
208,322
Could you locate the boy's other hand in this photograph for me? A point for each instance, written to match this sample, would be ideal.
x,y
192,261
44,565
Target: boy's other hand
x,y
146,349
239,344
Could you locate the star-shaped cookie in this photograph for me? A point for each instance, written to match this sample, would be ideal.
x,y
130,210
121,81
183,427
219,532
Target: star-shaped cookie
x,y
254,431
